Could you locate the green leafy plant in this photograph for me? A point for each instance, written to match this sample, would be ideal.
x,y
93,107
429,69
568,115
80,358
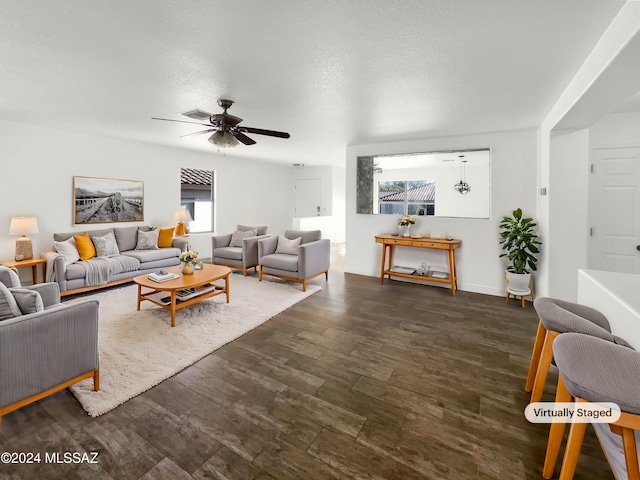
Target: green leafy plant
x,y
520,240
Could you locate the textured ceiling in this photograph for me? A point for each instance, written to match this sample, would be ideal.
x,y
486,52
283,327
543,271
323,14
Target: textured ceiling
x,y
331,73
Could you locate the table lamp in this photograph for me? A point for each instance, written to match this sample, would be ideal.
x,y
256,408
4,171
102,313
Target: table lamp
x,y
182,216
23,226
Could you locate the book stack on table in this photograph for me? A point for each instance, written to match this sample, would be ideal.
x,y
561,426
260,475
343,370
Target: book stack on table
x,y
162,276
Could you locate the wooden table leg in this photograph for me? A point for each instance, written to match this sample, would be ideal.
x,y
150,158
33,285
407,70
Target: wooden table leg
x,y
139,295
452,272
34,274
173,308
384,258
226,287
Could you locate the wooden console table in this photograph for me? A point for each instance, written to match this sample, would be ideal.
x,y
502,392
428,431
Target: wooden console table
x,y
389,242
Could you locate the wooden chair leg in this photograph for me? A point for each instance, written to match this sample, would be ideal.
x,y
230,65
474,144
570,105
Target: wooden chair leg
x,y
535,357
556,432
574,444
543,366
96,380
260,274
630,453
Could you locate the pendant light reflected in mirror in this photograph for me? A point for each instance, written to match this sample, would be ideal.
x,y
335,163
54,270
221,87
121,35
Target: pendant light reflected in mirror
x,y
462,187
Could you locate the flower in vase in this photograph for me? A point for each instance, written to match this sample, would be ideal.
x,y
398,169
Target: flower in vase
x,y
406,221
189,257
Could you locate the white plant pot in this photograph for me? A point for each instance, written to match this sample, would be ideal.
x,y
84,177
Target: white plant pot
x,y
518,282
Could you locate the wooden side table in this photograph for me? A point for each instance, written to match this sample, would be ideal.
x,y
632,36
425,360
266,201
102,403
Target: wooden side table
x,y
389,242
33,263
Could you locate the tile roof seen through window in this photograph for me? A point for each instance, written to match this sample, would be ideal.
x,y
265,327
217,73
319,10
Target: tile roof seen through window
x,y
423,194
194,176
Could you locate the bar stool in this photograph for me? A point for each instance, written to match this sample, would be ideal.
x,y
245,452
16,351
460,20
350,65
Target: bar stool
x,y
595,370
556,317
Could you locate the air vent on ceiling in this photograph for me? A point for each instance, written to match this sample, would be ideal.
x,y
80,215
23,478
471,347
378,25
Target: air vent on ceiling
x,y
197,114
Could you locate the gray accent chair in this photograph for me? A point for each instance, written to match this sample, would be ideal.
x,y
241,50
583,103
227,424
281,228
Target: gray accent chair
x,y
47,350
556,317
242,258
593,370
313,258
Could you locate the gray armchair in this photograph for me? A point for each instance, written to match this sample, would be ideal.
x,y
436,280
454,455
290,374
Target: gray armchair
x,y
299,264
45,346
234,251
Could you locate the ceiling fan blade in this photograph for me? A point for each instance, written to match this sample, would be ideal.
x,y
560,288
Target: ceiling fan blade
x,y
199,133
243,138
182,121
260,131
197,114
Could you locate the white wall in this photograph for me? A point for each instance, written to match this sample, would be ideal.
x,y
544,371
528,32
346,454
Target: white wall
x,y
513,185
568,219
38,165
608,76
616,130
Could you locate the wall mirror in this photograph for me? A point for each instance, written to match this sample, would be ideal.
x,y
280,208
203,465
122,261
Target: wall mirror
x,y
441,184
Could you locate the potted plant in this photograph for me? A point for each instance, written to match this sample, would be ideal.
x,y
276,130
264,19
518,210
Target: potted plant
x,y
189,260
404,225
520,241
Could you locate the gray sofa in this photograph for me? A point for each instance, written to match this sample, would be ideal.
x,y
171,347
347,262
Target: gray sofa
x,y
114,269
45,346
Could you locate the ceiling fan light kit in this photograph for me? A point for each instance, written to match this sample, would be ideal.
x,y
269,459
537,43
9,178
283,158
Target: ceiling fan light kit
x,y
225,127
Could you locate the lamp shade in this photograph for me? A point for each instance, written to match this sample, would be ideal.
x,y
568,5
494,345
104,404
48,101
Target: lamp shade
x,y
182,215
23,226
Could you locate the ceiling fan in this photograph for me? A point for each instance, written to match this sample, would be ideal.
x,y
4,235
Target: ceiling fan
x,y
225,127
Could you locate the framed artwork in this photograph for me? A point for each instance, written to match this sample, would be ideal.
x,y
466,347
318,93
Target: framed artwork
x,y
107,200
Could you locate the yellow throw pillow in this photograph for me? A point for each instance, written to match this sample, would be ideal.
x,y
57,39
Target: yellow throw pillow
x,y
85,246
165,238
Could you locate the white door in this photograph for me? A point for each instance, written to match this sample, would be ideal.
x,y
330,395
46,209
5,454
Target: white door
x,y
615,210
308,201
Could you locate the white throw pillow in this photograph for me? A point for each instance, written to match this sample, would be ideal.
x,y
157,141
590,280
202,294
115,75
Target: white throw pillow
x,y
68,250
148,240
289,247
105,245
239,235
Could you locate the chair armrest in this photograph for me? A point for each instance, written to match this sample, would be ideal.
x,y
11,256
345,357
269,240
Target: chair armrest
x,y
267,246
219,241
314,257
41,350
250,249
181,243
50,292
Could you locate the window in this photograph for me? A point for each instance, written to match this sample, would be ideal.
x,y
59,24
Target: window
x,y
407,197
197,197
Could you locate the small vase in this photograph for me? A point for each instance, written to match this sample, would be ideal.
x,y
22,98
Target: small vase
x,y
188,269
404,230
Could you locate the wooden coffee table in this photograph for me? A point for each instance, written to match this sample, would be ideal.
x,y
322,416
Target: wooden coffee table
x,y
199,279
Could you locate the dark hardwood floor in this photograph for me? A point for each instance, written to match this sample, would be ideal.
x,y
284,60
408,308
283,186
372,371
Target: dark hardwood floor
x,y
398,381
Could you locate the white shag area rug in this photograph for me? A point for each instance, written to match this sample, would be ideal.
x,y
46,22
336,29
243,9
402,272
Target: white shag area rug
x,y
140,349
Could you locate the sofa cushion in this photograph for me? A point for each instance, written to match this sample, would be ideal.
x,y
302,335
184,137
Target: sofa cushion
x,y
29,301
8,305
152,255
307,235
126,238
232,253
9,277
105,245
85,246
165,238
239,235
280,261
262,230
288,247
68,250
147,240
75,270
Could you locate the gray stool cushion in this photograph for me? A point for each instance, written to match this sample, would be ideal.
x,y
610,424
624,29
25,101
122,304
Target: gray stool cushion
x,y
561,316
599,371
